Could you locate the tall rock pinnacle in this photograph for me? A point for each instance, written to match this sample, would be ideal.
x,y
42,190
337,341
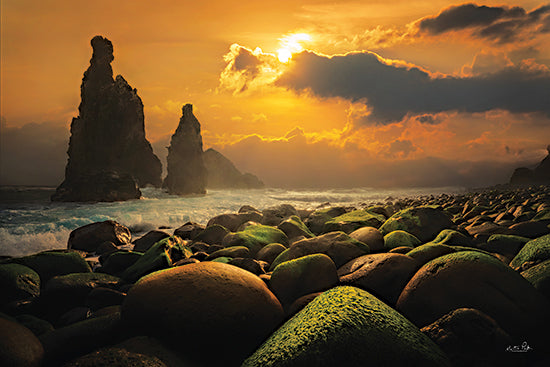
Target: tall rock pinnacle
x,y
108,151
186,170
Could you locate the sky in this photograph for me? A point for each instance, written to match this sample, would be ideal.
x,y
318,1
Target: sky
x,y
329,94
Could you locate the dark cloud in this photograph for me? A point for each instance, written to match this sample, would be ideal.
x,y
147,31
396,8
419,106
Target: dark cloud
x,y
394,90
502,24
33,154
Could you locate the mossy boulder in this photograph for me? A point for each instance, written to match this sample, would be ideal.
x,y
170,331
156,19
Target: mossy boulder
x,y
539,277
340,247
145,242
212,235
161,255
429,251
233,221
451,237
17,283
475,280
204,305
294,227
232,251
504,244
19,346
119,261
424,222
400,238
89,237
353,220
255,238
270,252
35,324
543,216
532,253
308,274
49,264
115,357
370,236
384,275
316,220
347,326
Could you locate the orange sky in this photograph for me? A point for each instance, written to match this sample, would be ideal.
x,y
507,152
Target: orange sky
x,y
288,128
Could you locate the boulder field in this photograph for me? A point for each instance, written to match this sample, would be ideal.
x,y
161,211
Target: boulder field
x,y
448,280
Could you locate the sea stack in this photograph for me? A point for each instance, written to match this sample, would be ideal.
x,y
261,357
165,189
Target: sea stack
x,y
222,173
109,156
539,176
186,169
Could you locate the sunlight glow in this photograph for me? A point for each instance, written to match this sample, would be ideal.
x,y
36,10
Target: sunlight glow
x,y
291,44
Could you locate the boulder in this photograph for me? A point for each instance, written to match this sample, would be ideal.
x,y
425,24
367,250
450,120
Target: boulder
x,y
49,264
507,245
532,253
19,346
539,277
17,283
530,229
189,231
470,338
451,237
36,325
233,251
203,305
400,238
340,247
275,215
300,303
347,326
161,255
222,173
424,222
119,261
308,274
115,357
293,227
384,275
270,252
353,220
109,155
212,235
186,171
254,266
153,348
369,236
145,242
255,238
429,251
475,280
89,237
101,297
316,220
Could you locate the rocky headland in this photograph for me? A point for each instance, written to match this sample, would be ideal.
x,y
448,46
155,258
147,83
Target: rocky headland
x,y
109,155
444,280
222,173
540,175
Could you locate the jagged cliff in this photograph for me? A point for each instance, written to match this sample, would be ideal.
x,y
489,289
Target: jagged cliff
x,y
222,173
538,176
186,170
108,152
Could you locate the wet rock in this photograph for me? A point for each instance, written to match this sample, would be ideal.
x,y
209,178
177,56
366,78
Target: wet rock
x,y
233,251
300,303
115,357
18,283
400,238
275,215
108,152
425,223
52,263
154,348
539,277
346,326
222,304
353,220
470,338
19,346
101,297
530,229
451,237
212,234
294,227
145,242
89,237
222,173
340,247
369,236
506,245
119,261
255,238
106,248
400,250
316,220
383,275
532,253
475,280
270,252
429,251
254,266
308,274
186,171
37,325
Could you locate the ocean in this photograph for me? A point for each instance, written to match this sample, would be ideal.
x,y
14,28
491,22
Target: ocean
x,y
30,223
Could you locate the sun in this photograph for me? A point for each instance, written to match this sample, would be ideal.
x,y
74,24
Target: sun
x,y
291,44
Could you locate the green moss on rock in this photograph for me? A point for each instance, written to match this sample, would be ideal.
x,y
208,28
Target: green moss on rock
x,y
424,222
400,238
255,238
539,276
532,253
17,283
353,220
347,326
49,264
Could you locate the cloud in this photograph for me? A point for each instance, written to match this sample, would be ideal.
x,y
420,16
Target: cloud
x,y
502,24
33,154
393,89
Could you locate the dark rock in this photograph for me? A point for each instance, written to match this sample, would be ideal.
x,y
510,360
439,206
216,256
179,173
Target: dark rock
x,y
222,173
532,253
255,238
199,247
89,237
101,297
105,248
247,209
539,277
186,171
340,247
233,221
275,215
119,261
400,250
300,303
115,357
254,266
353,220
294,227
18,283
383,275
145,242
108,151
270,252
451,237
503,244
470,338
37,325
204,304
73,316
212,235
295,278
154,348
52,263
347,326
233,251
189,231
400,238
369,236
19,346
182,262
475,280
540,175
423,222
200,256
530,229
316,220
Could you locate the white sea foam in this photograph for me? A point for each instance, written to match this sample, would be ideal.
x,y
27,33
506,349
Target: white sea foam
x,y
30,226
